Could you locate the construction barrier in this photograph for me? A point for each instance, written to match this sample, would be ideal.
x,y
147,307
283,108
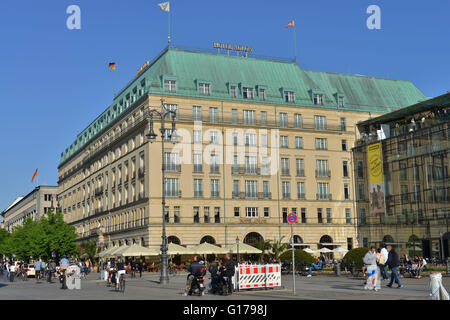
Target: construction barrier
x,y
257,276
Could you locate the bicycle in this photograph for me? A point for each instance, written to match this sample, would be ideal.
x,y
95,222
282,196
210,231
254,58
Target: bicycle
x,y
121,283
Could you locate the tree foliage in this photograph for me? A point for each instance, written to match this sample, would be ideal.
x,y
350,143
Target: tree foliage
x,y
299,255
276,248
40,238
354,256
89,249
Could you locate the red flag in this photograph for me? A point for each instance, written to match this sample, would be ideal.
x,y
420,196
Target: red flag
x,y
291,24
34,175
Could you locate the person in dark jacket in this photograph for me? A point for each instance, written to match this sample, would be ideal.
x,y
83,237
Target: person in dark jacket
x,y
194,268
229,271
393,262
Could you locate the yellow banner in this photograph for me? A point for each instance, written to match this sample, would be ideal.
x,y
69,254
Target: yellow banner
x,y
375,163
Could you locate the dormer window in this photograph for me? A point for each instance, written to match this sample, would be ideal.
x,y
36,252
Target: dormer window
x,y
289,96
341,102
204,89
262,94
247,93
170,86
318,99
233,91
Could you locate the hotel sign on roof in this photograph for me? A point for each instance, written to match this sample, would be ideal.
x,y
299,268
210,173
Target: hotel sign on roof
x,y
227,46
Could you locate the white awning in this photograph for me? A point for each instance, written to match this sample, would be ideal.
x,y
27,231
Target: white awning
x,y
330,243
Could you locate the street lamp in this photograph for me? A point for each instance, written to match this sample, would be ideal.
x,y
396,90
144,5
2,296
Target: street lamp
x,y
237,248
164,279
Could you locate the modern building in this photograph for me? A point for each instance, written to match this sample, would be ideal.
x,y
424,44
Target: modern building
x,y
35,204
258,138
406,153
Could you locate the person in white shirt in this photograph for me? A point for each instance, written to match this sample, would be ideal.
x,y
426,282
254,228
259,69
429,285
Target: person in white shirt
x,y
12,272
383,270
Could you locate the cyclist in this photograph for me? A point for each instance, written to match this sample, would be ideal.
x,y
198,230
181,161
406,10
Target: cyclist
x,y
120,272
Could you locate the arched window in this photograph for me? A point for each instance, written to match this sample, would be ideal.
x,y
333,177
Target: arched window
x,y
208,239
388,239
298,239
324,240
173,239
253,237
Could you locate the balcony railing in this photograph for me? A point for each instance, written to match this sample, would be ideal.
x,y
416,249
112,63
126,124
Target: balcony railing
x,y
286,196
198,168
285,172
264,195
300,172
196,219
214,194
214,169
323,173
175,194
301,196
252,170
172,167
235,195
323,196
251,195
198,194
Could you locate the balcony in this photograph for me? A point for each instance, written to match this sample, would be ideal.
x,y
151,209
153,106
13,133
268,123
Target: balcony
x,y
264,195
323,173
172,167
214,169
198,194
252,170
235,195
286,196
323,196
251,195
198,168
175,194
285,172
214,194
301,196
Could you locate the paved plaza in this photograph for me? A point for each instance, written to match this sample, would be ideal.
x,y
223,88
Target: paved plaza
x,y
318,287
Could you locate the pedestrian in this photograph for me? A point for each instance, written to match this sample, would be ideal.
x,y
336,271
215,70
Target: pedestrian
x,y
5,270
194,268
370,260
383,270
64,263
140,266
393,262
12,272
37,269
229,271
51,270
44,270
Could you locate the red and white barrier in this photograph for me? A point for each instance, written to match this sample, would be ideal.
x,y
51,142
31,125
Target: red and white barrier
x,y
257,276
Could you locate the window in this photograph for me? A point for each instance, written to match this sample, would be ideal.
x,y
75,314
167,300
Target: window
x,y
289,96
176,214
262,94
249,117
360,169
266,212
349,243
171,187
251,212
285,166
213,137
247,93
344,145
346,192
361,191
320,122
303,215
345,168
251,189
235,188
170,86
319,215
197,113
235,138
266,193
300,165
263,118
285,214
341,102
343,124
197,136
329,218
298,123
196,214
250,139
283,141
216,214
167,213
237,212
283,120
299,142
318,99
403,171
213,114
233,91
322,189
301,191
198,165
347,216
206,215
322,168
214,188
171,161
250,165
363,215
204,89
263,140
286,189
172,107
321,144
198,188
214,163
234,116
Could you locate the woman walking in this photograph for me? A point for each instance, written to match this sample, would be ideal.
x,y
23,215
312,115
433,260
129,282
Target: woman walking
x,y
370,259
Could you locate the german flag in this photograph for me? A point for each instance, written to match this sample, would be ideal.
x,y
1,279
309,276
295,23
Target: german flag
x,y
112,65
34,175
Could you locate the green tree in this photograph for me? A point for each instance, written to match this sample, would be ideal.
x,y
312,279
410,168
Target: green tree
x,y
263,245
276,248
299,255
89,248
27,240
4,242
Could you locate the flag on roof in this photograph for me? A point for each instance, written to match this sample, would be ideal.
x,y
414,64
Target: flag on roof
x,y
34,175
291,24
165,6
112,65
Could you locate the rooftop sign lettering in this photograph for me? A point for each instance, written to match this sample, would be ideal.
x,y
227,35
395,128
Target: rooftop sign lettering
x,y
227,46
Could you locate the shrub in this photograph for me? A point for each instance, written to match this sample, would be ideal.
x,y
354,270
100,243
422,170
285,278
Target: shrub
x,y
299,254
354,256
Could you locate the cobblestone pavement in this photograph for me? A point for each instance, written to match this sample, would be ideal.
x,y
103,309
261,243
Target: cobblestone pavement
x,y
318,287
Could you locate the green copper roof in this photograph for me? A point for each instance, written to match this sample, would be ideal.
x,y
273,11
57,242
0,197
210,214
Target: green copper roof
x,y
189,68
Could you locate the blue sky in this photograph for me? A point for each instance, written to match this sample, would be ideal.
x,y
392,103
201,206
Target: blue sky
x,y
55,81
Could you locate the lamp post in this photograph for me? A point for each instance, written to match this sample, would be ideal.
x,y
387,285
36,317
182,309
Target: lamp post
x,y
164,279
237,248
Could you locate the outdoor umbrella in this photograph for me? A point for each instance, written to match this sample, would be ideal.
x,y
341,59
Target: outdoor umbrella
x,y
117,251
308,250
207,248
136,250
324,250
106,252
340,249
177,249
243,248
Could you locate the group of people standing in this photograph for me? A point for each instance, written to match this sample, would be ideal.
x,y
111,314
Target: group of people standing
x,y
376,262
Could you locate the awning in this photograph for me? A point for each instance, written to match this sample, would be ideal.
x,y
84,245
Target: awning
x,y
304,244
331,243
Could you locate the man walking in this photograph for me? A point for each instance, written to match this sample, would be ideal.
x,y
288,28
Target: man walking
x,y
37,268
229,271
393,262
51,270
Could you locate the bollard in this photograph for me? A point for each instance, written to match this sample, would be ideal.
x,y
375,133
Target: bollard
x,y
337,268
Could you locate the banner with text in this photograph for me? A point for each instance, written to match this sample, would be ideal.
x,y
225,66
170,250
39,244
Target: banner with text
x,y
376,184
